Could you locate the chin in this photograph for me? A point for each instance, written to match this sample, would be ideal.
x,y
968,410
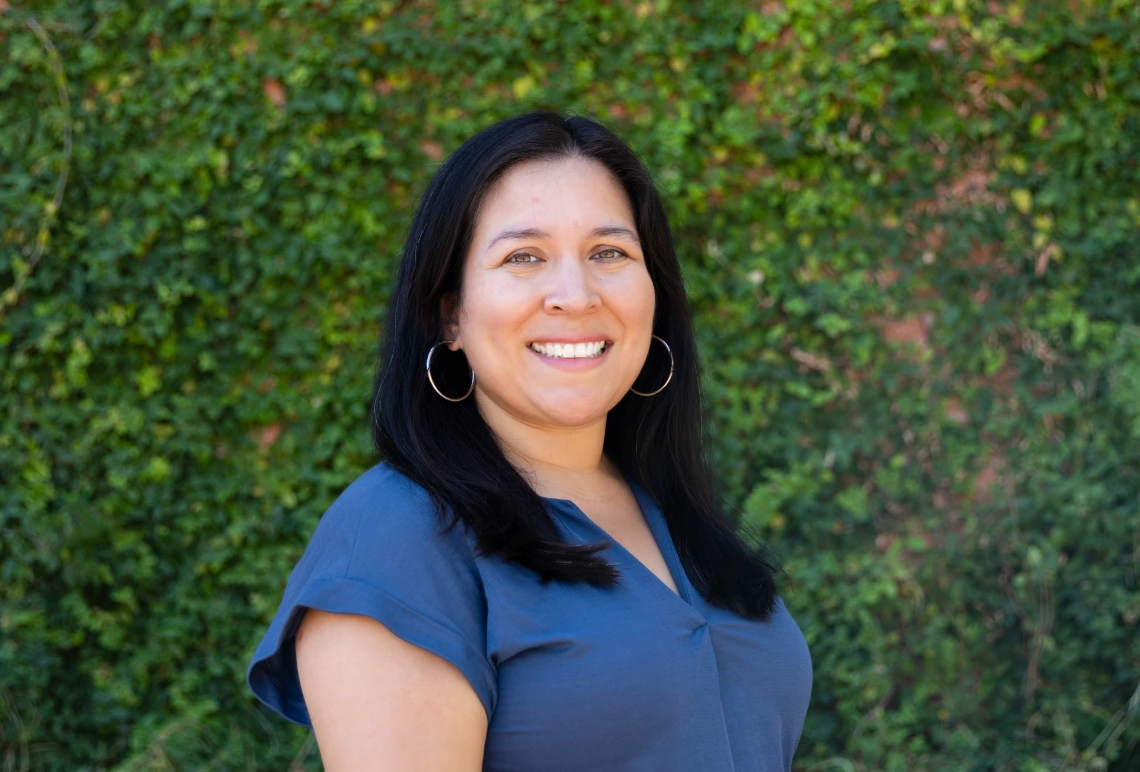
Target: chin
x,y
573,412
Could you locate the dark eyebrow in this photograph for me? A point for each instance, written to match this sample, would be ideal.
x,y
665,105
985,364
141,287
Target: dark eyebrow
x,y
615,230
535,233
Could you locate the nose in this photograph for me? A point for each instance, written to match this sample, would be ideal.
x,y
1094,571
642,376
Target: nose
x,y
572,290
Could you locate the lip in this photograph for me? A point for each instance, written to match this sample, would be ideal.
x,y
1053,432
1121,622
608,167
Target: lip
x,y
573,339
573,364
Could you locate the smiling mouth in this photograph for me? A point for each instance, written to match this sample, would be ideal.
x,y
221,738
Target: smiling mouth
x,y
571,350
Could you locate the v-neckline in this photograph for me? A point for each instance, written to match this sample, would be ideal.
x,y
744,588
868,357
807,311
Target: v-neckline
x,y
658,528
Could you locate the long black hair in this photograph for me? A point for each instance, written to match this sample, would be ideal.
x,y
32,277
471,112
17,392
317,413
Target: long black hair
x,y
657,441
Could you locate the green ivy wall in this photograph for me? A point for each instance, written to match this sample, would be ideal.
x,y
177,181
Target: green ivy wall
x,y
910,232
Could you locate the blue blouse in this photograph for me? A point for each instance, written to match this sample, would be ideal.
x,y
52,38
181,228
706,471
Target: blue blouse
x,y
573,677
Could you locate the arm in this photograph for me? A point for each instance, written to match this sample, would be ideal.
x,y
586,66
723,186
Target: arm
x,y
378,702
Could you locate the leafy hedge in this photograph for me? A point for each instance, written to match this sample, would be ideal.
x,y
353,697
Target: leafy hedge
x,y
910,232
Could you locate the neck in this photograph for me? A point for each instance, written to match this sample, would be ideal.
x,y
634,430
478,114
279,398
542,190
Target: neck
x,y
558,461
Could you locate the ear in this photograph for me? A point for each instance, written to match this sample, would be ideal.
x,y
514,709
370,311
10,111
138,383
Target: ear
x,y
449,319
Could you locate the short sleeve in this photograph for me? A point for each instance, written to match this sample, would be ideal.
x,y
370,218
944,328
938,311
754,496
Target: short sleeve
x,y
380,551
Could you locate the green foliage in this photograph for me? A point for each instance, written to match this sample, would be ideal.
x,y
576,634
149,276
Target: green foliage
x,y
909,231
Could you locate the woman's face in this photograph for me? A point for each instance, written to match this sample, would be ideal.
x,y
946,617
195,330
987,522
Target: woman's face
x,y
556,315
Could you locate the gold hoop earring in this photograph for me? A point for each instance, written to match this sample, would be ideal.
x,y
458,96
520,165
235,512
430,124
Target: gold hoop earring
x,y
432,380
651,393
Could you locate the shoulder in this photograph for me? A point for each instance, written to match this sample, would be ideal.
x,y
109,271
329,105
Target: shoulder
x,y
380,550
384,517
383,497
379,488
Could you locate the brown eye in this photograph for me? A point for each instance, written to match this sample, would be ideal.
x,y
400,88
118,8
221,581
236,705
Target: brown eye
x,y
610,254
511,259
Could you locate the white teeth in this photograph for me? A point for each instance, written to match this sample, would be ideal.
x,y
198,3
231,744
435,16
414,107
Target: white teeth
x,y
571,350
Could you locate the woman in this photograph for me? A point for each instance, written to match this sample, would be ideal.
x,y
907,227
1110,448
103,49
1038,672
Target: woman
x,y
537,577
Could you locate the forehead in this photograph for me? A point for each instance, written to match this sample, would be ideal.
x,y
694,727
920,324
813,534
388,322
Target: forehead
x,y
553,194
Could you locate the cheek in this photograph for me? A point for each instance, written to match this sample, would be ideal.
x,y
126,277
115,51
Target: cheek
x,y
633,299
493,313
